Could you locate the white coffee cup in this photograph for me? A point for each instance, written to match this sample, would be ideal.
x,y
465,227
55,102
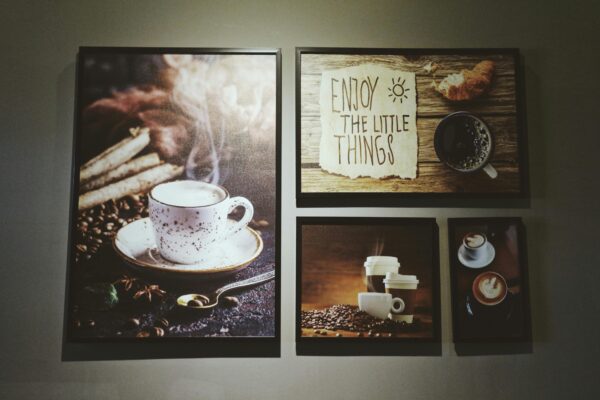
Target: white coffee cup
x,y
474,245
190,217
376,267
379,305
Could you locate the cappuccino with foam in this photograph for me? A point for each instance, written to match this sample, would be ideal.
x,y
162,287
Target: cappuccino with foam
x,y
188,194
190,218
489,288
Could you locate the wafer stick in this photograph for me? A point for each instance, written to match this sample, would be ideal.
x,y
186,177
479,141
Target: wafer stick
x,y
115,155
139,183
123,171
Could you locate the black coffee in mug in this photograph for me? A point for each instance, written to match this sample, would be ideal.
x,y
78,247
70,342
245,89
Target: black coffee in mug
x,y
463,142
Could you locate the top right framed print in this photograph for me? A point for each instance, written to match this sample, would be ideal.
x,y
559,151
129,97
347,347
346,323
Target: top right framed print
x,y
385,127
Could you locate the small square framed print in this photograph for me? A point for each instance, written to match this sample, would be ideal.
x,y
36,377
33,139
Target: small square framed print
x,y
367,286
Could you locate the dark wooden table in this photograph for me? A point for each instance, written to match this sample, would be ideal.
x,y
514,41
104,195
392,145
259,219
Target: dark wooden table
x,y
497,108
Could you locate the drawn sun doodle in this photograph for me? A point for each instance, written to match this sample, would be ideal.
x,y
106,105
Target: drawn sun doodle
x,y
398,91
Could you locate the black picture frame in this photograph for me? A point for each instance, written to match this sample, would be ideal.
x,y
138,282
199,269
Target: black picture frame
x,y
113,348
457,198
489,343
365,346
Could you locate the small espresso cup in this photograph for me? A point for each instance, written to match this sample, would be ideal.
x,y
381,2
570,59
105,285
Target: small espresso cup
x,y
379,305
189,218
474,245
403,287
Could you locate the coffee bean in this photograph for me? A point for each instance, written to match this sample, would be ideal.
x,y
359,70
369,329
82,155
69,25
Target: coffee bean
x,y
133,322
143,334
195,303
163,322
159,332
263,223
231,301
82,248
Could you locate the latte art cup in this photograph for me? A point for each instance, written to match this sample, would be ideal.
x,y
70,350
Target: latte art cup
x,y
189,218
403,287
489,288
376,267
475,245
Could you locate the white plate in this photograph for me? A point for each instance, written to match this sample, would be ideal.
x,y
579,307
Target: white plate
x,y
483,261
136,245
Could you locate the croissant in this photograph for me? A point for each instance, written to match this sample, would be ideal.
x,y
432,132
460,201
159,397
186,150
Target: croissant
x,y
467,84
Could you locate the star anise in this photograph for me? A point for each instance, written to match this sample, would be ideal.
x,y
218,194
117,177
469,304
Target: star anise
x,y
126,282
148,291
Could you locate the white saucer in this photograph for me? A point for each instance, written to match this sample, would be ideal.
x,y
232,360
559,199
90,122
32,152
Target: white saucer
x,y
483,261
136,245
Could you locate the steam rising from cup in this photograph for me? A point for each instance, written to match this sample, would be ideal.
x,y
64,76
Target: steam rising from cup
x,y
224,98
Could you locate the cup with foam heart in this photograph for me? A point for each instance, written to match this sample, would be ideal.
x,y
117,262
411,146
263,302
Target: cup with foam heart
x,y
379,305
489,288
475,245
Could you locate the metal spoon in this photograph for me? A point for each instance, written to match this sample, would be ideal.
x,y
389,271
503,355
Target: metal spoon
x,y
209,301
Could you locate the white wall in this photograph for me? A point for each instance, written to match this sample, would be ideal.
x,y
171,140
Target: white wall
x,y
560,47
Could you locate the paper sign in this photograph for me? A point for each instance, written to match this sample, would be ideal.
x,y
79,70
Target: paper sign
x,y
368,122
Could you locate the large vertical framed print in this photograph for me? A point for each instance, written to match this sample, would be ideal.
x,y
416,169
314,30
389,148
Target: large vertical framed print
x,y
175,215
390,126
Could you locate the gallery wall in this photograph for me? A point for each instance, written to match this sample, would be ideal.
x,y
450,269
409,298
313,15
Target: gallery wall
x,y
560,52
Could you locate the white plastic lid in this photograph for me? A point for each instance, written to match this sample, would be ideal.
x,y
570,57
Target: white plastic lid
x,y
385,263
394,277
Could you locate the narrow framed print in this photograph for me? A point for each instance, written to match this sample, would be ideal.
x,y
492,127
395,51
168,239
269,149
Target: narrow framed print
x,y
175,210
367,286
384,127
489,280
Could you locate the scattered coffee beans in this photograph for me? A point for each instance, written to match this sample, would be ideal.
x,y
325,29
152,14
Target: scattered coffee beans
x,y
97,226
350,318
